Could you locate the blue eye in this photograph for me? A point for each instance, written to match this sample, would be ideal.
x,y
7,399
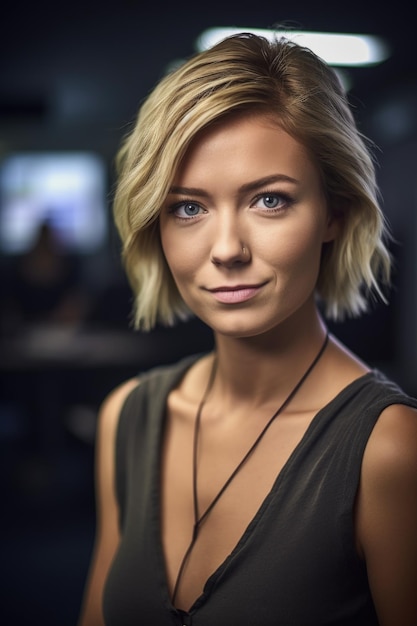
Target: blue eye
x,y
270,201
191,209
186,210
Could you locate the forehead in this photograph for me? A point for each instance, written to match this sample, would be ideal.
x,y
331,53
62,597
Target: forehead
x,y
245,145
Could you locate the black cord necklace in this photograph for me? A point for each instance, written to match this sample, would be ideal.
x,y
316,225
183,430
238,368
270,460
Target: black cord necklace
x,y
199,519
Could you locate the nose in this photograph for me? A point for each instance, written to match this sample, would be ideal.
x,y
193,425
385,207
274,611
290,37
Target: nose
x,y
229,247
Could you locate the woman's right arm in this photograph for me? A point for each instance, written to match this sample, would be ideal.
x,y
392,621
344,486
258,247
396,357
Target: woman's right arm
x,y
107,513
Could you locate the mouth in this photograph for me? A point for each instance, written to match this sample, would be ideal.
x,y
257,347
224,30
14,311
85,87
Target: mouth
x,y
236,293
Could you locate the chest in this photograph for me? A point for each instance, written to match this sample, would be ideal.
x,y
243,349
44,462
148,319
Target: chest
x,y
212,493
291,560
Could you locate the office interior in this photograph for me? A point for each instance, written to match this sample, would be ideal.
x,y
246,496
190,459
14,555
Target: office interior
x,y
72,79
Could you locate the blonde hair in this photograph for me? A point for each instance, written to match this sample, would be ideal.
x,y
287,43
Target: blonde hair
x,y
284,80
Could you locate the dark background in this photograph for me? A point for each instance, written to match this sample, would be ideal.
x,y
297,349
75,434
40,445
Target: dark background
x,y
72,78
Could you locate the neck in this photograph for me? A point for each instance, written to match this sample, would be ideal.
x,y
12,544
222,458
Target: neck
x,y
257,370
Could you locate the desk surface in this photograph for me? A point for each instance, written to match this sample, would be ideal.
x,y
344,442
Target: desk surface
x,y
60,346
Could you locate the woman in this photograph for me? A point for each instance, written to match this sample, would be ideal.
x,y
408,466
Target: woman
x,y
274,480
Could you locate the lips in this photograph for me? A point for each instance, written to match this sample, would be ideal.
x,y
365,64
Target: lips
x,y
235,294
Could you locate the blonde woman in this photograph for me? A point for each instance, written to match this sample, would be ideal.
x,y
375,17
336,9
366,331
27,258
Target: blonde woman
x,y
272,481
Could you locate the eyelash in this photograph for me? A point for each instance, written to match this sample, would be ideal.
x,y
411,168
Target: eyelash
x,y
174,207
285,201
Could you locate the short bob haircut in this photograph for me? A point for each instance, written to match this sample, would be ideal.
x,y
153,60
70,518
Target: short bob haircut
x,y
292,85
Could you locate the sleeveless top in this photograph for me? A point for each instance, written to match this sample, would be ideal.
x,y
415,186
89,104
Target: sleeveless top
x,y
296,563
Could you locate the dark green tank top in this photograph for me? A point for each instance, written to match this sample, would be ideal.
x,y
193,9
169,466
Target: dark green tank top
x,y
295,565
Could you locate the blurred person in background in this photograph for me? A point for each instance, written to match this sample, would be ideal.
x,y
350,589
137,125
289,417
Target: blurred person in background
x,y
45,285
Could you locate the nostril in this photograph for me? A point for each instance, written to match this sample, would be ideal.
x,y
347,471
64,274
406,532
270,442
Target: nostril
x,y
231,260
228,247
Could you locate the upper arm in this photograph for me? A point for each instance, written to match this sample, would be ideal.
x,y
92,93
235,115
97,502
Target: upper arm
x,y
387,516
107,513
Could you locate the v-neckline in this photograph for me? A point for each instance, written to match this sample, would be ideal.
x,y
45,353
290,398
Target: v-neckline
x,y
250,528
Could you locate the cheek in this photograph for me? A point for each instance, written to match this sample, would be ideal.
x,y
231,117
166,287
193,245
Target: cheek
x,y
167,244
294,248
181,259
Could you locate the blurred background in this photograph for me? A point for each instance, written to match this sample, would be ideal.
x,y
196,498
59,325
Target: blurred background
x,y
72,79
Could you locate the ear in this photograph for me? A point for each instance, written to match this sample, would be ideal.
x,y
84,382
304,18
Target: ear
x,y
333,228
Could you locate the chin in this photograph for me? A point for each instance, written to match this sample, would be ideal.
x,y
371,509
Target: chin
x,y
239,328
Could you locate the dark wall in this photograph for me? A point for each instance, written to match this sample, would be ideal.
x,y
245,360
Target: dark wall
x,y
72,78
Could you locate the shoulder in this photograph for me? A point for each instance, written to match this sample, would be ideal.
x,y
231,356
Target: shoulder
x,y
391,452
155,382
386,514
111,408
107,514
388,485
107,424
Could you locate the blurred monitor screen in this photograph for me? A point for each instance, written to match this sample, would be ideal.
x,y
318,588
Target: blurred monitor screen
x,y
66,190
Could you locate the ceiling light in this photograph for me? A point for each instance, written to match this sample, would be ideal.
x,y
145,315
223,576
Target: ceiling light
x,y
340,49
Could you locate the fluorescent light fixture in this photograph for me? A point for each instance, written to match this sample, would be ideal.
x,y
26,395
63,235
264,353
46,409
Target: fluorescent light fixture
x,y
340,49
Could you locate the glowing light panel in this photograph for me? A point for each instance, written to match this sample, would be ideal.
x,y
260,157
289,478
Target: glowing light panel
x,y
340,49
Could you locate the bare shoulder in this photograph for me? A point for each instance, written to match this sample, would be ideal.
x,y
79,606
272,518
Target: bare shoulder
x,y
389,468
386,515
107,531
392,446
110,409
108,419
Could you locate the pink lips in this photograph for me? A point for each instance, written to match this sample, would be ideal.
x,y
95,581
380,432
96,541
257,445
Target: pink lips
x,y
235,295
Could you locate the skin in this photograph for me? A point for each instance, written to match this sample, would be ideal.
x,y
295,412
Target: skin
x,y
245,254
220,227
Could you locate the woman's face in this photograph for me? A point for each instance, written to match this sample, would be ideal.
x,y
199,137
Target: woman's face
x,y
243,226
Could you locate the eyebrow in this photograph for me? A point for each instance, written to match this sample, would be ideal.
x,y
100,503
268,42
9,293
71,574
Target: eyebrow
x,y
252,186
